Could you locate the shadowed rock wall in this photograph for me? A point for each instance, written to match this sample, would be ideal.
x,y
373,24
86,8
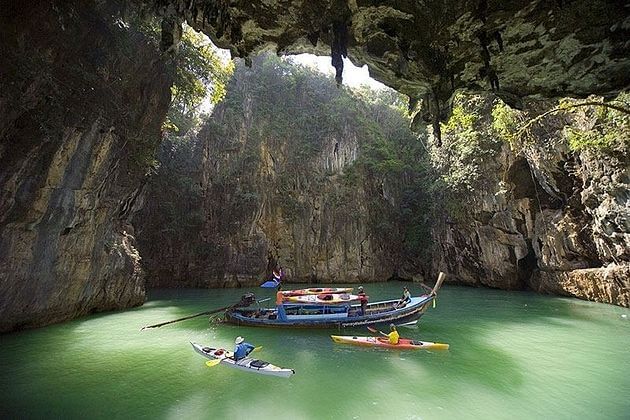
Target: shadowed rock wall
x,y
82,99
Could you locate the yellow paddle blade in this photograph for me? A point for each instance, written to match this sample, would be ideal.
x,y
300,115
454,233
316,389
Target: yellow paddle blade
x,y
257,348
439,346
214,362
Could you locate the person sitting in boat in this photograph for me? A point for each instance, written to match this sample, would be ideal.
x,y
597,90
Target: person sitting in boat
x,y
363,299
393,336
404,300
282,315
242,348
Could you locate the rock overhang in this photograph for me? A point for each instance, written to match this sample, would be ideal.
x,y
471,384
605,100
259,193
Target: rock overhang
x,y
430,49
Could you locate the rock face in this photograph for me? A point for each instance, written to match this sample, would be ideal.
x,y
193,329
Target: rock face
x,y
429,49
274,179
545,217
81,104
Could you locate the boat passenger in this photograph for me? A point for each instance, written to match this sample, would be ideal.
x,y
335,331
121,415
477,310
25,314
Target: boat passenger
x,y
242,348
282,315
393,336
404,300
363,298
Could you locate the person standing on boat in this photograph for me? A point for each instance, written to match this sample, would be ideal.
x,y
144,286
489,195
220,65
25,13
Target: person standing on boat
x,y
393,336
282,315
276,276
363,299
404,300
242,348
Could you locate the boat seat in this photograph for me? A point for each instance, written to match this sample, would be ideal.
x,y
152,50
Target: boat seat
x,y
258,363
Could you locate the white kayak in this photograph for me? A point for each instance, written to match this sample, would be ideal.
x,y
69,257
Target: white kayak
x,y
247,363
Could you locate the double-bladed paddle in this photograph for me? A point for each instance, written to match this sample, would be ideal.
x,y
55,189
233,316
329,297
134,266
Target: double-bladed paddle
x,y
374,330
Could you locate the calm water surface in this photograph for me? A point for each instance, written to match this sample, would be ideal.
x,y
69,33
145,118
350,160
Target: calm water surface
x,y
512,356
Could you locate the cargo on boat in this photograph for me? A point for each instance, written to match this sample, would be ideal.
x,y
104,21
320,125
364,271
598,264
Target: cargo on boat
x,y
338,315
316,291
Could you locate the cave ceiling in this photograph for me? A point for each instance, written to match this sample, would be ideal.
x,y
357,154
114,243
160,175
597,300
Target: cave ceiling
x,y
429,49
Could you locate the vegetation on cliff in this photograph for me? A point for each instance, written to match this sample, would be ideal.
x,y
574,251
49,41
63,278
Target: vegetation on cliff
x,y
285,149
199,74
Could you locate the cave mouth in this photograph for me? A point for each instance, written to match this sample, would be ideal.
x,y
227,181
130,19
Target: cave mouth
x,y
526,265
526,185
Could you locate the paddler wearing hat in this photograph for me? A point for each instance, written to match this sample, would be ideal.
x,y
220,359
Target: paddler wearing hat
x,y
242,348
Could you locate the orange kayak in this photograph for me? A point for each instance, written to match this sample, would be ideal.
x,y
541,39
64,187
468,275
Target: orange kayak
x,y
403,343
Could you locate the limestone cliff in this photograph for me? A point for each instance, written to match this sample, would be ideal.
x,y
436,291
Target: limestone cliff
x,y
541,215
275,177
82,99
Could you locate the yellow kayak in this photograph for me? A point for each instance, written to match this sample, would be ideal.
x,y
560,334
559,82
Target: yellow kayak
x,y
403,343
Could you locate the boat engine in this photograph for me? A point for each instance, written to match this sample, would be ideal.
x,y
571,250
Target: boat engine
x,y
246,300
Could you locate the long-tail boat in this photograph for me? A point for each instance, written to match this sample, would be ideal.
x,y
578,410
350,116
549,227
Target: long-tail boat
x,y
304,315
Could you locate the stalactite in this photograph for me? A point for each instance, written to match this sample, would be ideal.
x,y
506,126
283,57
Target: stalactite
x,y
339,48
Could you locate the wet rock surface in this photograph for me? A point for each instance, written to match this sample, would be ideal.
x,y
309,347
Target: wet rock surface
x,y
78,116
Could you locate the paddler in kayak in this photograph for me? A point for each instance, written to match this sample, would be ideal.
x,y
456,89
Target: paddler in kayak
x,y
393,336
242,348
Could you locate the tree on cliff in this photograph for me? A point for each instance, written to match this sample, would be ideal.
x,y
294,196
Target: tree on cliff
x,y
199,73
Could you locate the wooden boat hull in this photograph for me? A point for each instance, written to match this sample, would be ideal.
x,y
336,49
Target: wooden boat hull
x,y
247,364
382,342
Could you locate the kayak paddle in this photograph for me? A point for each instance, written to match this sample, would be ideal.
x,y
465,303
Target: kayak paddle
x,y
374,330
257,348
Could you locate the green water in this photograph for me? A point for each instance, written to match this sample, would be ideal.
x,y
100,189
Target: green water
x,y
512,356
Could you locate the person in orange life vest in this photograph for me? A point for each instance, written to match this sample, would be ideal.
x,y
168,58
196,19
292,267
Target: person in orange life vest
x,y
282,315
363,299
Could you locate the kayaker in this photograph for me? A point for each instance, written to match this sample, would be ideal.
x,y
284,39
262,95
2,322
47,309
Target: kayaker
x,y
282,315
405,299
363,298
393,336
242,348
